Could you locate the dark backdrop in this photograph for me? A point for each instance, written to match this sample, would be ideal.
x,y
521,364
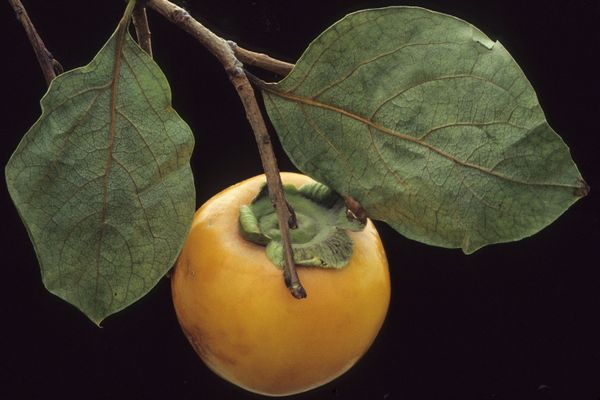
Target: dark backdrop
x,y
513,321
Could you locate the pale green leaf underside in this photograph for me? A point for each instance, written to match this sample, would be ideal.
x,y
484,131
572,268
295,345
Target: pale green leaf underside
x,y
429,124
102,180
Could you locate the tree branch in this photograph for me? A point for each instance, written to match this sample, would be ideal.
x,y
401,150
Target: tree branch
x,y
261,60
47,62
142,29
224,52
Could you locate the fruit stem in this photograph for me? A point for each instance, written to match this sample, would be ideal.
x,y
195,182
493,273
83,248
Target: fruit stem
x,y
225,53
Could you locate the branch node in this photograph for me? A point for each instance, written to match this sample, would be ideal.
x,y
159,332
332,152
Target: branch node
x,y
180,15
19,11
236,70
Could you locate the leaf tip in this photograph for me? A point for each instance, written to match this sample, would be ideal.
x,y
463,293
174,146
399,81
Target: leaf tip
x,y
582,189
97,321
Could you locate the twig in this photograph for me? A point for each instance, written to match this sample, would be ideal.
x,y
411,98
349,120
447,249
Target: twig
x,y
262,60
224,52
142,29
252,58
47,62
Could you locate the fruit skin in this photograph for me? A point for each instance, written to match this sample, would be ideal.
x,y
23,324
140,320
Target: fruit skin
x,y
233,306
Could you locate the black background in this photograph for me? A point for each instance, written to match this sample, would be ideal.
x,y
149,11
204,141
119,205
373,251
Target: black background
x,y
513,321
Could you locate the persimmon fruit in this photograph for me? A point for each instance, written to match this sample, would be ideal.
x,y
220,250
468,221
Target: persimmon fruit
x,y
233,305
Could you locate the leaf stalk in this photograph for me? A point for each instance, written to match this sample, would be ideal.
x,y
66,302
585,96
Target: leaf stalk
x,y
261,60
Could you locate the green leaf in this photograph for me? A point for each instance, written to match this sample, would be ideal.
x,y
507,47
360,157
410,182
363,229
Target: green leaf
x,y
429,124
102,180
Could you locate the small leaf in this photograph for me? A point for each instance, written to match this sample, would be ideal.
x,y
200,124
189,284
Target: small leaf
x,y
102,180
429,124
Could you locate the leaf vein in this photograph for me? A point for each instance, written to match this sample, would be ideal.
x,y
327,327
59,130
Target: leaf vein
x,y
465,123
411,139
374,59
436,79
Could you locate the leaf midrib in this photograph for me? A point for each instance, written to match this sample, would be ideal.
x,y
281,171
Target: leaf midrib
x,y
405,137
114,86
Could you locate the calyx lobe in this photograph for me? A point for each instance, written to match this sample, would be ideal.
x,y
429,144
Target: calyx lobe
x,y
320,239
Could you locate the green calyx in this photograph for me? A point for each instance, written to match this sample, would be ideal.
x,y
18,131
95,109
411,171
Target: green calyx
x,y
320,240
